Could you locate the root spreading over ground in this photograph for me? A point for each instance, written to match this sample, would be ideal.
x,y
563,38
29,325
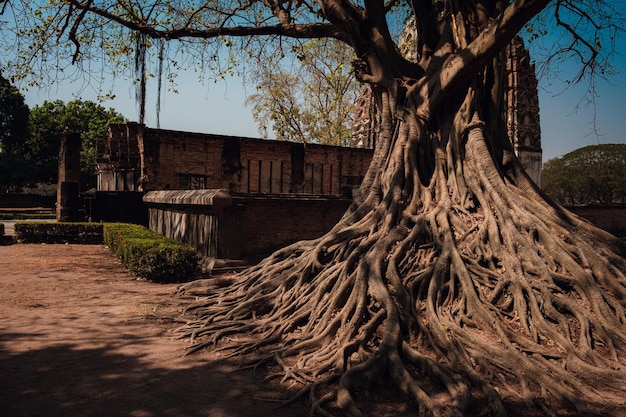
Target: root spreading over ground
x,y
470,293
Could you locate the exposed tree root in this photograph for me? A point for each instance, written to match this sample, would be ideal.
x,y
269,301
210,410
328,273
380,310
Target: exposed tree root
x,y
469,293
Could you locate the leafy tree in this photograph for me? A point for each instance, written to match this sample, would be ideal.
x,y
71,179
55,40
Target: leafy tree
x,y
13,116
593,174
310,103
452,276
13,133
50,121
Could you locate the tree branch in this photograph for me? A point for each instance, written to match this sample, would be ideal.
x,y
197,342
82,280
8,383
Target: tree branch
x,y
425,24
72,35
462,66
307,30
587,62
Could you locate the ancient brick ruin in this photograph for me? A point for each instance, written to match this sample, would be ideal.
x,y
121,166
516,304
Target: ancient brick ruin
x,y
132,158
229,197
523,109
68,202
240,226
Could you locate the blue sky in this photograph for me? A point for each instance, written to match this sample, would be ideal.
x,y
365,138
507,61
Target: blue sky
x,y
219,108
568,124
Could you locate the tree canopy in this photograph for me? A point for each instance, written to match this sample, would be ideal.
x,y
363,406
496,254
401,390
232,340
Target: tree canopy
x,y
452,277
114,37
39,148
311,100
13,132
13,116
590,175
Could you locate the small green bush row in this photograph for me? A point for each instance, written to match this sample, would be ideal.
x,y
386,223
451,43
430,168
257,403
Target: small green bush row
x,y
4,239
27,216
145,253
151,255
76,233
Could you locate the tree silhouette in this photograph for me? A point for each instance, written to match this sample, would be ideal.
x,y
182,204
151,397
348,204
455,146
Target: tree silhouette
x,y
13,133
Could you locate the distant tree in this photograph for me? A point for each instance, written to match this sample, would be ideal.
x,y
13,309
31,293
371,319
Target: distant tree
x,y
312,102
589,175
50,121
13,133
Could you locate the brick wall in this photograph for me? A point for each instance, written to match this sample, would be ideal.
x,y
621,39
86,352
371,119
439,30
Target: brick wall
x,y
265,167
609,218
222,226
182,160
264,224
175,160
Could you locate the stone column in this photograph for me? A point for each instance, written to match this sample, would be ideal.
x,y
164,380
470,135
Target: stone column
x,y
68,203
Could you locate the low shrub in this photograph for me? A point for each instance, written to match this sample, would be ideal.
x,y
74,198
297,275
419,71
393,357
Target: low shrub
x,y
76,233
145,253
5,239
27,216
151,255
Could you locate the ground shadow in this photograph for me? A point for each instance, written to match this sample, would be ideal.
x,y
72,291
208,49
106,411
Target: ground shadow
x,y
63,380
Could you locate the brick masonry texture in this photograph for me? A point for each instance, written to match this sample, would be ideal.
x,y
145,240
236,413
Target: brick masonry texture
x,y
132,158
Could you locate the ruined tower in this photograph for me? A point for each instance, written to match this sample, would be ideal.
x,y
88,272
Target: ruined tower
x,y
522,110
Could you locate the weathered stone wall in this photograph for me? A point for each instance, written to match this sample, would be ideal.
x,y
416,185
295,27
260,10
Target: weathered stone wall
x,y
175,160
261,224
609,218
224,226
191,217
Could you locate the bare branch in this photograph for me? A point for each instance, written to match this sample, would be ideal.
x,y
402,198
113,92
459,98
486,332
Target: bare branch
x,y
588,63
312,30
75,26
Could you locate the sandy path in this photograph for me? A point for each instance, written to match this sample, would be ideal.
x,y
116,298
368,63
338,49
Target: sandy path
x,y
80,336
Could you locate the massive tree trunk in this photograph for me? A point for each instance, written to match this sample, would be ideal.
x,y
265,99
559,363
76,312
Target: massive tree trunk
x,y
452,276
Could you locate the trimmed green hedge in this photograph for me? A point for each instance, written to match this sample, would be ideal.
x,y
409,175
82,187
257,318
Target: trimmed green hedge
x,y
27,216
151,255
77,233
145,253
4,239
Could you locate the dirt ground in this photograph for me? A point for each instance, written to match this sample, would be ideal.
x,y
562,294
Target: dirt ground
x,y
81,336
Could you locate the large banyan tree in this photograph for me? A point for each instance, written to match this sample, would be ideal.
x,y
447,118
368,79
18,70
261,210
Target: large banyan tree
x,y
452,277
